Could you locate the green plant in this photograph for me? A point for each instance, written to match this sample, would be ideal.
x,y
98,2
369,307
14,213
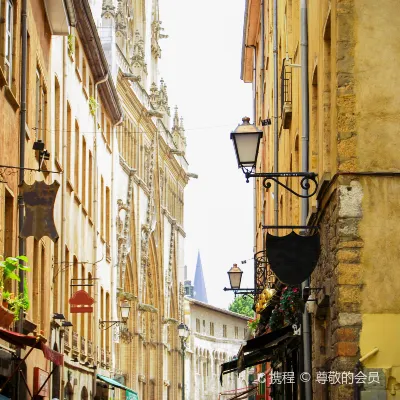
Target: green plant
x,y
10,266
290,303
277,319
242,305
253,324
71,45
92,105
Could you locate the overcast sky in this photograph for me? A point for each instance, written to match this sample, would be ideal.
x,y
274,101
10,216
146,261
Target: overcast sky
x,y
201,66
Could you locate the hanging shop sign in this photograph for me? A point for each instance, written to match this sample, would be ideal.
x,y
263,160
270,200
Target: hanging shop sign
x,y
81,302
293,257
39,200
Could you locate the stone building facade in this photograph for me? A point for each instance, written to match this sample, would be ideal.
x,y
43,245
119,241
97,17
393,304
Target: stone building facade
x,y
353,112
216,336
95,99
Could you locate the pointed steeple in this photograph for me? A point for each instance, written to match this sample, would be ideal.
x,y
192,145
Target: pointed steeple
x,y
200,292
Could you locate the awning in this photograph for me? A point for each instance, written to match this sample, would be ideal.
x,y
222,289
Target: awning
x,y
37,342
34,342
258,351
130,394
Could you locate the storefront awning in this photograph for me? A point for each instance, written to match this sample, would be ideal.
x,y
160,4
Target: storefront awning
x,y
130,394
257,351
34,342
37,342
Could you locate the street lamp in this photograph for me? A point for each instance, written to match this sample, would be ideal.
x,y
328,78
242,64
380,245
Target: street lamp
x,y
235,277
183,332
125,310
246,142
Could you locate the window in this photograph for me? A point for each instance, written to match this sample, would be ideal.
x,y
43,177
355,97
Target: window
x,y
77,150
244,333
57,119
69,140
9,40
41,108
102,208
84,199
236,332
204,326
211,328
77,58
84,76
224,331
108,215
197,325
90,188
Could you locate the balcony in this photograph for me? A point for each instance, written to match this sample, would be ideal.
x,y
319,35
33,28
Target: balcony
x,y
90,350
286,94
83,347
108,358
75,348
67,343
102,361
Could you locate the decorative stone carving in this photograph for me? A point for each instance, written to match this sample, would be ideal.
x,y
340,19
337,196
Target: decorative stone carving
x,y
108,9
181,301
123,233
156,35
138,57
168,272
120,19
150,214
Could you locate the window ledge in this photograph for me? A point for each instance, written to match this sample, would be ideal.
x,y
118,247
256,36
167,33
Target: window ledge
x,y
78,73
11,98
108,148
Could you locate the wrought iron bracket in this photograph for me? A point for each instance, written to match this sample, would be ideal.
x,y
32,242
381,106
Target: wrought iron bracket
x,y
244,292
104,327
306,177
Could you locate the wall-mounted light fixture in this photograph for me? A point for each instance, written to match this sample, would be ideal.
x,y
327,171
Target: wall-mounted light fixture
x,y
125,308
246,141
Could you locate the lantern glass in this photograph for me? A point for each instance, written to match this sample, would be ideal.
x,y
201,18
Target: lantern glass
x,y
125,310
235,276
246,140
183,330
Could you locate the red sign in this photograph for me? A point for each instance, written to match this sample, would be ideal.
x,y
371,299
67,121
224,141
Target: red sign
x,y
39,378
81,302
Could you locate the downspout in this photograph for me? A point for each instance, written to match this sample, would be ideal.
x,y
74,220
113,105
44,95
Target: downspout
x,y
307,367
276,112
255,124
262,81
21,241
95,223
60,270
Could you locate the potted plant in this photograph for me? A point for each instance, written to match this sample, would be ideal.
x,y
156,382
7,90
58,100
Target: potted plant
x,y
9,272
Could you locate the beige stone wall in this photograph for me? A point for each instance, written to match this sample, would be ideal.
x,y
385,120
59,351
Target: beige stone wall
x,y
354,112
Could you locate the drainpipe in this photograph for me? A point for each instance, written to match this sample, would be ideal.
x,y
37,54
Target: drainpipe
x,y
255,124
307,367
276,112
20,393
95,223
262,80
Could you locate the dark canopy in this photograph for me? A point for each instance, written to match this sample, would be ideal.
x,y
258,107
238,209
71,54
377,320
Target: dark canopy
x,y
258,350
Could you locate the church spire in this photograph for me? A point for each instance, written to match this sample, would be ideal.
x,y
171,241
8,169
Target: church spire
x,y
200,292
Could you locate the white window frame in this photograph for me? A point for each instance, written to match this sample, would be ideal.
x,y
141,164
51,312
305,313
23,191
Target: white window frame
x,y
9,39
